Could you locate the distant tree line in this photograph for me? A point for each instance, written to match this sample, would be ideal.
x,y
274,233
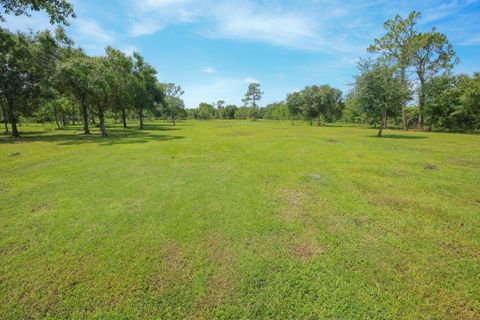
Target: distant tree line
x,y
313,104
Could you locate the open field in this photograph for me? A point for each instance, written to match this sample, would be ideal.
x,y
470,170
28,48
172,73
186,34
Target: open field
x,y
239,219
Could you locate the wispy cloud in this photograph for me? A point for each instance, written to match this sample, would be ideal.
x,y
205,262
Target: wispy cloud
x,y
90,35
251,80
246,21
209,70
91,29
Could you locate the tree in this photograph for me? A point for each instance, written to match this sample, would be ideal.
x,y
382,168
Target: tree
x,y
439,99
176,108
16,81
309,110
74,74
378,90
147,92
58,10
294,103
396,46
276,111
27,64
230,111
121,83
174,104
101,80
205,111
463,103
253,95
221,109
432,53
326,100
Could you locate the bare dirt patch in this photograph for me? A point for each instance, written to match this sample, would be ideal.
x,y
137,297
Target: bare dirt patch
x,y
306,248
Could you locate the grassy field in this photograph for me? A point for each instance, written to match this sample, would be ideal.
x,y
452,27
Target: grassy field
x,y
239,219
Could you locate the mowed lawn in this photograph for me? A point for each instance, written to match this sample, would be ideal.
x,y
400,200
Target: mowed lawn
x,y
239,219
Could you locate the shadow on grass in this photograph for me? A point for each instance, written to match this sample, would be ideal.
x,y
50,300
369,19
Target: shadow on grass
x,y
399,136
116,135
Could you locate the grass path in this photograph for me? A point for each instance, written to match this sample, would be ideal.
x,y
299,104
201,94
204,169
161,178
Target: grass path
x,y
238,219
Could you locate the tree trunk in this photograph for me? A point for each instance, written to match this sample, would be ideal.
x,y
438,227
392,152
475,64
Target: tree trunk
x,y
13,121
124,118
318,121
56,118
382,122
385,121
5,119
430,125
84,110
101,118
64,120
404,107
404,118
93,119
173,119
421,102
140,114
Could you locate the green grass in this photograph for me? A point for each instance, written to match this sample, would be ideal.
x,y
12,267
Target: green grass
x,y
239,219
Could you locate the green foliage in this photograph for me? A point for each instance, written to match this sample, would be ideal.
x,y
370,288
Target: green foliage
x,y
230,111
452,102
378,91
173,105
252,96
58,10
315,102
244,113
276,111
206,111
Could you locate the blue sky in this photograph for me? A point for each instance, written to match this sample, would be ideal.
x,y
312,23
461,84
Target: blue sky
x,y
213,49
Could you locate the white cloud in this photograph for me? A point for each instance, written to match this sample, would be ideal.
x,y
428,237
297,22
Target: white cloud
x,y
251,80
209,70
91,36
128,50
302,28
145,27
87,29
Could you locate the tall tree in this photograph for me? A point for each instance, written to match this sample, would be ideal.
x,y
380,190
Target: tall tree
x,y
58,10
101,80
15,79
396,46
27,65
122,82
432,53
252,96
74,75
146,87
378,90
174,104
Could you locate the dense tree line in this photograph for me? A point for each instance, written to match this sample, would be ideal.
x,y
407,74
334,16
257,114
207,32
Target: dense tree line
x,y
42,75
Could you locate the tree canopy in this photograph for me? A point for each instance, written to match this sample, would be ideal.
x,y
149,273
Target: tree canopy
x,y
58,10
